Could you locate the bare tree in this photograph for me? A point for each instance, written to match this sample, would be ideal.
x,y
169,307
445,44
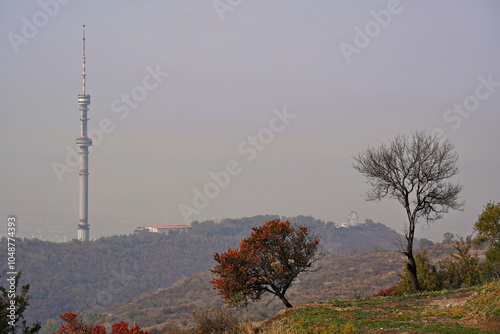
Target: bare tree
x,y
448,238
415,170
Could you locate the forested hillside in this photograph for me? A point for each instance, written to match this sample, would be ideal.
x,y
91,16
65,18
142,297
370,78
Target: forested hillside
x,y
111,270
338,277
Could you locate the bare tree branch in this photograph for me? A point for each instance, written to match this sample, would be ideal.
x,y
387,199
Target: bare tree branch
x,y
415,170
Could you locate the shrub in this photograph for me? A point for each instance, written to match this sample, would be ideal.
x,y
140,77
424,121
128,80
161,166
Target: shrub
x,y
450,275
462,269
385,292
279,327
349,328
73,325
428,277
487,229
217,320
458,270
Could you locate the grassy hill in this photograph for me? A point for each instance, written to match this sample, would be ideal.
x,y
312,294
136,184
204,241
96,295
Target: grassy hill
x,y
465,311
339,277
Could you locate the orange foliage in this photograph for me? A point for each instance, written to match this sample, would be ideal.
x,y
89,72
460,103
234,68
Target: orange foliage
x,y
385,292
75,326
267,261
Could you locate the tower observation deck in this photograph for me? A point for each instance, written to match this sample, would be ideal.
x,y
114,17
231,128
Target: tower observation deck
x,y
83,143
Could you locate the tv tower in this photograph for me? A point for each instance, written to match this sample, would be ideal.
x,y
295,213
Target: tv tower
x,y
83,142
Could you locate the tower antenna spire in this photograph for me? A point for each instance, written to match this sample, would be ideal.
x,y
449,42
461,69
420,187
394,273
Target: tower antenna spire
x,y
84,74
84,142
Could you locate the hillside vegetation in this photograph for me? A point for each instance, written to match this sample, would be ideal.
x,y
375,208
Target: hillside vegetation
x,y
339,277
464,311
111,270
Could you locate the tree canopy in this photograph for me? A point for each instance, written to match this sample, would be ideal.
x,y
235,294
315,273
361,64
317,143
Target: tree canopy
x,y
267,261
448,238
73,325
13,304
487,226
487,229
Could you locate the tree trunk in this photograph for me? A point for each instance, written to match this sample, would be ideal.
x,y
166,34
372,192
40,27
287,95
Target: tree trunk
x,y
284,300
411,265
412,271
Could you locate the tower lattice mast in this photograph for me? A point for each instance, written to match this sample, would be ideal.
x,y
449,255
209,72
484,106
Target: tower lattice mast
x,y
84,142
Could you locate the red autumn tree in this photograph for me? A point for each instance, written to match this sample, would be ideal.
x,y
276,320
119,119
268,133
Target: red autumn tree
x,y
74,325
122,328
267,261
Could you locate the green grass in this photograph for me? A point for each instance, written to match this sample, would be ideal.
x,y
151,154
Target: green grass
x,y
325,320
488,300
414,313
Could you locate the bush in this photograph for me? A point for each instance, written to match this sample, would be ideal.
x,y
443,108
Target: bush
x,y
427,274
487,229
463,269
459,270
385,292
217,320
73,325
349,328
423,243
18,293
281,326
449,273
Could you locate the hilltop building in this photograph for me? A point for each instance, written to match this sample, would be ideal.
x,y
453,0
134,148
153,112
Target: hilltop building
x,y
352,220
164,229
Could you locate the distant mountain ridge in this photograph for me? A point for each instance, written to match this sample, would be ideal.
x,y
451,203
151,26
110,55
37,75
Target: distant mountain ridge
x,y
111,270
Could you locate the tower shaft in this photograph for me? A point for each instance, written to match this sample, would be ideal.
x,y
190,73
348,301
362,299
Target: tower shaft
x,y
84,142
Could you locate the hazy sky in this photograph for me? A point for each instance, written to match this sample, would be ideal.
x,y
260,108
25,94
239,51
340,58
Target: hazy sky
x,y
281,94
